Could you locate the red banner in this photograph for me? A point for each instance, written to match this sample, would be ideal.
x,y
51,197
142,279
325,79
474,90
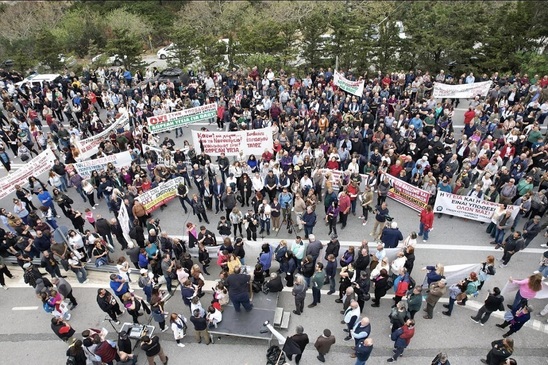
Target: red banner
x,y
407,194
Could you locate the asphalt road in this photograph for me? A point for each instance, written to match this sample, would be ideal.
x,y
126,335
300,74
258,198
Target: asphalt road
x,y
453,241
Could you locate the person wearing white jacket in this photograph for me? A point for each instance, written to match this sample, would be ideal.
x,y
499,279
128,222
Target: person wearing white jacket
x,y
179,327
398,264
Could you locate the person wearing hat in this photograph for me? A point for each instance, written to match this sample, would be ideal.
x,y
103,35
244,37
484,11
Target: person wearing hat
x,y
323,344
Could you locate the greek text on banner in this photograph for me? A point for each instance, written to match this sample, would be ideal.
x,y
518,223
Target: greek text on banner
x,y
169,121
407,194
254,141
35,167
461,91
90,146
119,160
352,87
160,195
468,207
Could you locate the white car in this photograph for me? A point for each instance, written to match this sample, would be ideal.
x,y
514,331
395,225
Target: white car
x,y
115,60
167,52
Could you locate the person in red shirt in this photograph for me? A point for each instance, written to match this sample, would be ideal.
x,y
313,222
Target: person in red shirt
x,y
266,156
353,191
396,168
469,115
426,222
344,207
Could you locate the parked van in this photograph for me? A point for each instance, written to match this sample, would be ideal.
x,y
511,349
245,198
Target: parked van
x,y
41,79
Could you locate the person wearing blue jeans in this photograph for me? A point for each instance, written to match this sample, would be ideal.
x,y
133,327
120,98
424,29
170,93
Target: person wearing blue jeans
x,y
168,267
504,223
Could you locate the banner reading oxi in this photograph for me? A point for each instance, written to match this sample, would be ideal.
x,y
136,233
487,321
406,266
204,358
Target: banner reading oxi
x,y
160,195
254,141
35,167
170,121
468,207
352,87
462,90
90,146
407,194
119,160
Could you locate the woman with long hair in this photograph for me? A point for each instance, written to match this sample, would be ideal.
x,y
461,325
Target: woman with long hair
x,y
500,351
528,289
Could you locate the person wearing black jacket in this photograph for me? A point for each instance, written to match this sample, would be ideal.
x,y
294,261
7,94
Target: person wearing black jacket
x,y
152,348
23,195
103,228
362,261
333,247
108,304
301,339
62,329
381,287
51,264
512,244
275,283
494,302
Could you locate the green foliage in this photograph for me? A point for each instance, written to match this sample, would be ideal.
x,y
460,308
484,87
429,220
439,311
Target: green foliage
x,y
47,51
128,47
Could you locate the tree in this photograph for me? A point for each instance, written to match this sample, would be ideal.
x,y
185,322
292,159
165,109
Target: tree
x,y
127,46
47,50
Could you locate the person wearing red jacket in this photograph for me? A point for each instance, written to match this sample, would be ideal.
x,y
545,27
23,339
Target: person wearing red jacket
x,y
426,222
469,115
402,337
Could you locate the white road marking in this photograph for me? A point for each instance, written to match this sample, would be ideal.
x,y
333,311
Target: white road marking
x,y
24,308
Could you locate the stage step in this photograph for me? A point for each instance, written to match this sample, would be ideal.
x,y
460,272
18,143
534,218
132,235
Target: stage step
x,y
285,320
278,316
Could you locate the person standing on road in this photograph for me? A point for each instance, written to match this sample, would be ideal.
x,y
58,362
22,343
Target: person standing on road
x,y
118,285
4,270
426,222
500,351
200,327
402,337
512,245
301,339
299,292
317,281
62,329
363,351
381,212
152,348
108,304
65,289
437,290
493,302
323,344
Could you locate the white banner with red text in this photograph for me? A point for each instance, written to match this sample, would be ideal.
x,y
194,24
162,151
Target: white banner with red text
x,y
468,207
35,167
249,142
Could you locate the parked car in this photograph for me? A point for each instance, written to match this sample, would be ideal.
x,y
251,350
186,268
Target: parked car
x,y
115,60
41,79
169,51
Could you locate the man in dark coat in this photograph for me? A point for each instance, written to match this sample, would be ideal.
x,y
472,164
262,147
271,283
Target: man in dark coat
x,y
301,339
323,344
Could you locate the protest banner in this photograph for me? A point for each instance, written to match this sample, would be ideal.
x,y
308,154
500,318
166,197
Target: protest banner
x,y
462,90
170,121
254,141
35,167
119,160
165,192
90,146
407,194
352,87
468,207
335,178
123,218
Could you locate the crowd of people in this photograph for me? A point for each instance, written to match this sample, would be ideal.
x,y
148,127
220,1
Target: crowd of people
x,y
329,147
